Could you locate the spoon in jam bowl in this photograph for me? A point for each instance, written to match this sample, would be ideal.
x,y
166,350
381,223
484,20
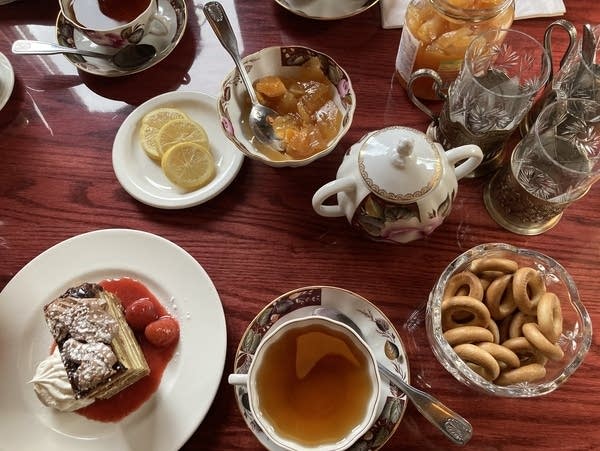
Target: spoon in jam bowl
x,y
129,57
455,427
261,117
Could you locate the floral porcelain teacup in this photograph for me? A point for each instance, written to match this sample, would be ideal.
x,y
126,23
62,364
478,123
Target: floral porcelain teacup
x,y
112,30
396,184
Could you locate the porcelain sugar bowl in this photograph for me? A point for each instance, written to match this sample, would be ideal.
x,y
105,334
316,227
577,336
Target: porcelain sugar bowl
x,y
396,184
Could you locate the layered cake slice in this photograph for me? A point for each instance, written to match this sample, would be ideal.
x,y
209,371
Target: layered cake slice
x,y
98,348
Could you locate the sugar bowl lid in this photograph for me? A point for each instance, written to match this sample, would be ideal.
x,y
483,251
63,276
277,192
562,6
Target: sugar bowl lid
x,y
399,164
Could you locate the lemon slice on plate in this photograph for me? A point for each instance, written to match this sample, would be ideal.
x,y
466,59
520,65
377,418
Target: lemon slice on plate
x,y
179,131
151,124
189,165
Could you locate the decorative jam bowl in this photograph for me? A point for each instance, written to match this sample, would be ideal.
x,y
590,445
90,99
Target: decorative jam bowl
x,y
286,63
560,355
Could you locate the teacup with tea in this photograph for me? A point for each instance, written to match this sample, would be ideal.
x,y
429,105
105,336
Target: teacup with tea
x,y
114,23
313,384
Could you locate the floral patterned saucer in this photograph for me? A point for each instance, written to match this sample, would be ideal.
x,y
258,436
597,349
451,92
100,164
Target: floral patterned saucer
x,y
174,13
327,10
379,332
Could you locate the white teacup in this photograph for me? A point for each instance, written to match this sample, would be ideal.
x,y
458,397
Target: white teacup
x,y
313,385
115,29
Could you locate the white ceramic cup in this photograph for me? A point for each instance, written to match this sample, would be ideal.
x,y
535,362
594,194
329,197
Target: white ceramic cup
x,y
374,401
147,22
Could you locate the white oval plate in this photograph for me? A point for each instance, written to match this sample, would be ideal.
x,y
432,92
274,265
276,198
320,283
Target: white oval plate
x,y
189,383
7,80
143,178
326,10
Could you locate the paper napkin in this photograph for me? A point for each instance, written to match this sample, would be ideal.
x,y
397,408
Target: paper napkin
x,y
392,11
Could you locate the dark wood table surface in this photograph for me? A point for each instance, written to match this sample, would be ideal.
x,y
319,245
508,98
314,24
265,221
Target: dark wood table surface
x,y
260,237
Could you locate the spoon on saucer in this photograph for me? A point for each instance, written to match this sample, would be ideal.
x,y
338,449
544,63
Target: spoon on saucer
x,y
455,427
261,117
128,57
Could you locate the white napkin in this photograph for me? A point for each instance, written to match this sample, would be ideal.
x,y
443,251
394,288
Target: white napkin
x,y
392,11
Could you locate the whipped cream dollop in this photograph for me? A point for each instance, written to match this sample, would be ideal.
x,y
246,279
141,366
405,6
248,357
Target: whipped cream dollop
x,y
52,387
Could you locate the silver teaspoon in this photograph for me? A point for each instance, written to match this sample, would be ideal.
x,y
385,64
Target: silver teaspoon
x,y
261,117
128,57
455,427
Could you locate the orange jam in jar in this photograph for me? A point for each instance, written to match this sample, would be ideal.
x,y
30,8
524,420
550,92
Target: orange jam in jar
x,y
436,35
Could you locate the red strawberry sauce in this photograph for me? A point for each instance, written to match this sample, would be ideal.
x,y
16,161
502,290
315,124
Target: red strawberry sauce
x,y
131,398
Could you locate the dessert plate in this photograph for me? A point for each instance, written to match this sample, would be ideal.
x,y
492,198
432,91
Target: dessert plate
x,y
379,333
189,382
174,14
144,179
7,80
326,10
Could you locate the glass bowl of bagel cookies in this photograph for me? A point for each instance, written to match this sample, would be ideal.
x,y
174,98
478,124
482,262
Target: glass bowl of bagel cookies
x,y
508,321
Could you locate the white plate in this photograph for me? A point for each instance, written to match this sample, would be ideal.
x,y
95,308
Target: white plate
x,y
380,334
143,178
326,9
7,80
189,382
174,14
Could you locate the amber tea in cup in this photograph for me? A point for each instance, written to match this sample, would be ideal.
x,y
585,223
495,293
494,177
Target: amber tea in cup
x,y
313,385
105,14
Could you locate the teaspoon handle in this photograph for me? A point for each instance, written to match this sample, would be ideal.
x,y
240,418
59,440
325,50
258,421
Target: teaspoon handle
x,y
26,47
217,18
455,427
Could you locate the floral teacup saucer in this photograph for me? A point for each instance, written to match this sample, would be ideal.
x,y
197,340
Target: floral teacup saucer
x,y
174,15
379,333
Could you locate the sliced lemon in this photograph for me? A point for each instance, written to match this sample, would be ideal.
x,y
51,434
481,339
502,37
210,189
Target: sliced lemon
x,y
179,131
152,122
189,165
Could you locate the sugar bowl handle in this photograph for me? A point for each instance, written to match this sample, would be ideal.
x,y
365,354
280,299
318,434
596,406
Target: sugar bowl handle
x,y
238,379
471,153
347,184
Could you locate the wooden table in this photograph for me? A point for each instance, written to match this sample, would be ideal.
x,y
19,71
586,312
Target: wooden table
x,y
260,237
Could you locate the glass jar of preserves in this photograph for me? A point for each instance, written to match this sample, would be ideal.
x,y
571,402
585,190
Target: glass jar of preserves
x,y
437,33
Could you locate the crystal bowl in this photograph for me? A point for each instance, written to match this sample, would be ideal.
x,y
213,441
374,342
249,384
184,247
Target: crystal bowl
x,y
575,339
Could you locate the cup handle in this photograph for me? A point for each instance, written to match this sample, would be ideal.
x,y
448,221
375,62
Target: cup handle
x,y
329,189
571,32
238,379
473,155
159,25
437,83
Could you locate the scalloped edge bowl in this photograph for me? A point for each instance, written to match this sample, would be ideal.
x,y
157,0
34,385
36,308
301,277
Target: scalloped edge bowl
x,y
233,104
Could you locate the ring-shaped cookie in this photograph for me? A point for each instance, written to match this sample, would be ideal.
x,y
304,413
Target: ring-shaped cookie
x,y
503,265
499,298
467,334
463,283
528,287
516,323
549,316
502,354
493,328
460,311
534,335
470,353
526,351
527,373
